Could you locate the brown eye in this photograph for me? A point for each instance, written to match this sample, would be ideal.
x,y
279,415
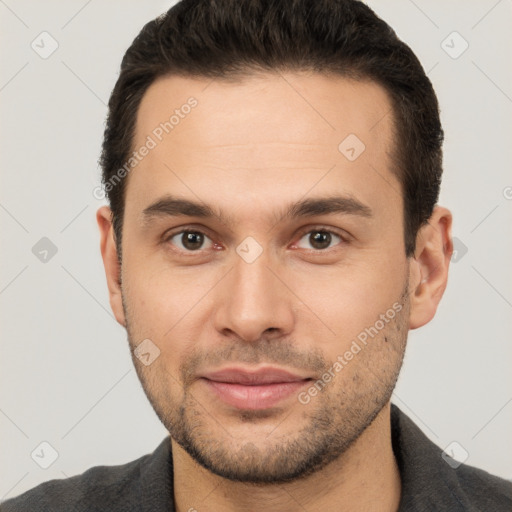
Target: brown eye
x,y
319,239
189,240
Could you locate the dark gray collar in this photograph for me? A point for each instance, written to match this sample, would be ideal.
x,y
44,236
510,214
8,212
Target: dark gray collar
x,y
428,482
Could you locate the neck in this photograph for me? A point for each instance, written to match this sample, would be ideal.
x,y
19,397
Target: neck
x,y
365,477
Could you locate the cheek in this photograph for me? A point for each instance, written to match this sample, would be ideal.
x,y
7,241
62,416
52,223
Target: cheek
x,y
349,297
159,300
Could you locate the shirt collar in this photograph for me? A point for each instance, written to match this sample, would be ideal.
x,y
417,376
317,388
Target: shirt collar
x,y
428,482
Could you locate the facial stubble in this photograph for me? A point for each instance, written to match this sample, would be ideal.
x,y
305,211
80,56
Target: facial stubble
x,y
329,424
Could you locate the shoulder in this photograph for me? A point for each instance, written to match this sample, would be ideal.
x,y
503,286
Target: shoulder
x,y
431,482
484,491
112,488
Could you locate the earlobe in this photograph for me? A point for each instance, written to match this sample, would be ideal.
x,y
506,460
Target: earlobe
x,y
428,274
111,262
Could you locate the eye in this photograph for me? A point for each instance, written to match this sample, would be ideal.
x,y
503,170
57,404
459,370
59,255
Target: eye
x,y
190,241
319,239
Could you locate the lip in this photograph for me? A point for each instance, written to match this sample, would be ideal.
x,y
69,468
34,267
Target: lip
x,y
266,375
254,390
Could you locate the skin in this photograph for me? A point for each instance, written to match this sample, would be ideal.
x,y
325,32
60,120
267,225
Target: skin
x,y
248,149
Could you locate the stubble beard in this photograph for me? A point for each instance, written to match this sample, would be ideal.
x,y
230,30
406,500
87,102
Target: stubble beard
x,y
336,419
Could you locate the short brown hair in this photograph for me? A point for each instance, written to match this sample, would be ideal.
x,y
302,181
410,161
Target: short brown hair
x,y
229,38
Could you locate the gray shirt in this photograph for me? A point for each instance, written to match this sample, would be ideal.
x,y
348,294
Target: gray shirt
x,y
429,483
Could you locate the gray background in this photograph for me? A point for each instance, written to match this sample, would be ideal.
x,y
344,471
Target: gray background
x,y
66,375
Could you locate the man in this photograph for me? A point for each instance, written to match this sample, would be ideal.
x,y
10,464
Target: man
x,y
272,169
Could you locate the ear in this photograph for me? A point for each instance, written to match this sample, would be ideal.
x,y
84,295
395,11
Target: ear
x,y
428,274
111,262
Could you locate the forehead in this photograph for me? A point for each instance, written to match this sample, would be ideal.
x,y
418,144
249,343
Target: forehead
x,y
261,134
289,106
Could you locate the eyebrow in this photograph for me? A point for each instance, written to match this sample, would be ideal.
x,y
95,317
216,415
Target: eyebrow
x,y
170,206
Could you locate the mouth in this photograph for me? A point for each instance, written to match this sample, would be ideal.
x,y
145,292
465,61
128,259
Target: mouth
x,y
254,390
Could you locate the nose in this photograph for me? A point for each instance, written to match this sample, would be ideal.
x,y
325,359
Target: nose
x,y
254,302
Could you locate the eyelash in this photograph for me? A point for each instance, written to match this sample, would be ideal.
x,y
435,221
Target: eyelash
x,y
321,229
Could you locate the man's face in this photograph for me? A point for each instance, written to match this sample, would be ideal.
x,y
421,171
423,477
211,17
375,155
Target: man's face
x,y
295,295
